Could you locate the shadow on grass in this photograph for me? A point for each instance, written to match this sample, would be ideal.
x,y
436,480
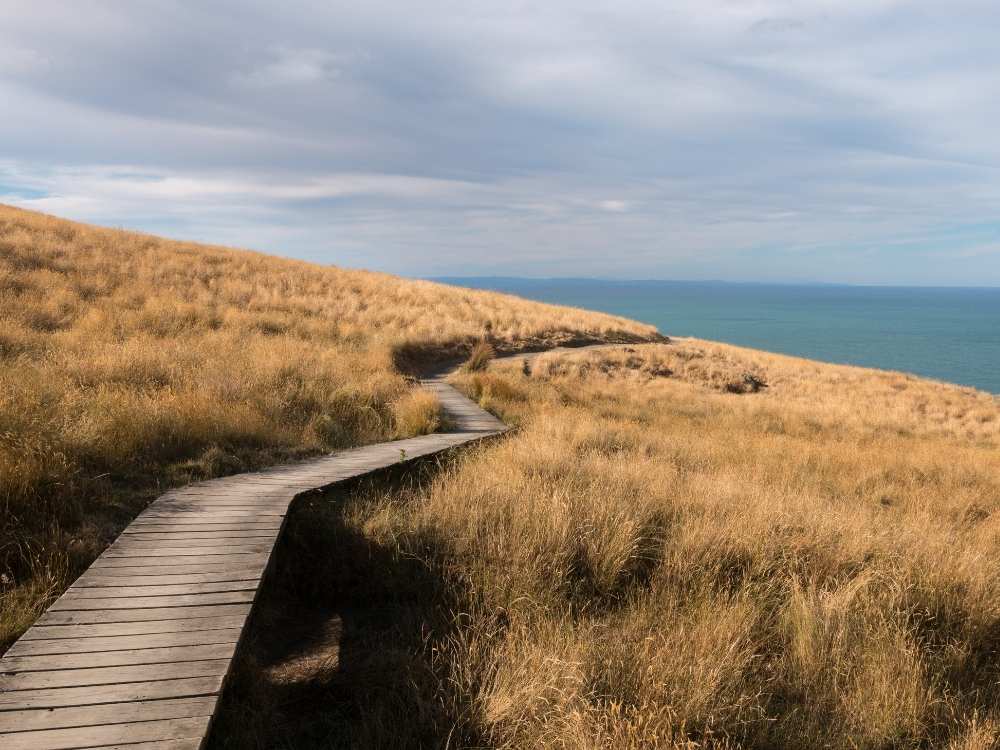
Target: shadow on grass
x,y
338,654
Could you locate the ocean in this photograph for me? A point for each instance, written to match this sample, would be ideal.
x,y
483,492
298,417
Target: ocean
x,y
949,334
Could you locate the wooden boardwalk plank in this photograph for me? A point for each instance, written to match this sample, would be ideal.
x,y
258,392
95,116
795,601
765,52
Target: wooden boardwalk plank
x,y
21,700
94,580
74,617
189,541
112,713
215,505
147,549
135,653
87,659
116,592
235,559
177,526
99,630
211,515
72,602
181,535
228,570
60,678
180,523
102,736
188,744
97,644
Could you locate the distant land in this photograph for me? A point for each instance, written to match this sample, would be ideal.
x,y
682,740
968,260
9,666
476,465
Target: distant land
x,y
948,333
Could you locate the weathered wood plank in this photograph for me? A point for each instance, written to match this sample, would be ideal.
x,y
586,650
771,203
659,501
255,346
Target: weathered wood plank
x,y
72,603
223,495
211,515
221,504
117,592
227,493
142,615
223,500
93,580
180,526
199,532
188,744
94,676
266,513
224,568
112,713
188,542
97,644
22,700
130,550
181,520
148,627
102,736
208,537
242,559
252,513
19,664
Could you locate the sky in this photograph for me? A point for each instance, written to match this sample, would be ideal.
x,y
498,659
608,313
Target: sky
x,y
753,140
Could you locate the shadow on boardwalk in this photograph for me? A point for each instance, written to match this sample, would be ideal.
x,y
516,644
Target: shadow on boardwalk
x,y
338,650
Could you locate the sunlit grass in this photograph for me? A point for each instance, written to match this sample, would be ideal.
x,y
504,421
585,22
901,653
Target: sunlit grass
x,y
652,560
131,362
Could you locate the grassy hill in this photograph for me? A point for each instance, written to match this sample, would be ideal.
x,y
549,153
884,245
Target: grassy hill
x,y
684,545
667,553
129,363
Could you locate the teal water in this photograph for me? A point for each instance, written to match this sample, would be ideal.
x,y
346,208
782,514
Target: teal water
x,y
945,333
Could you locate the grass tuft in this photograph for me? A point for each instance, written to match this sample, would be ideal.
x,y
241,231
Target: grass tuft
x,y
480,357
418,413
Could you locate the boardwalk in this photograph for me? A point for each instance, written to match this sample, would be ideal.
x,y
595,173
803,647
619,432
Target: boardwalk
x,y
135,654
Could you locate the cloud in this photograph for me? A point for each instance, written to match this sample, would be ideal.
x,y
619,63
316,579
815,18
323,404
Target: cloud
x,y
288,67
771,139
614,206
20,60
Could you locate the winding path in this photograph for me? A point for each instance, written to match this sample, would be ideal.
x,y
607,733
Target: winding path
x,y
136,652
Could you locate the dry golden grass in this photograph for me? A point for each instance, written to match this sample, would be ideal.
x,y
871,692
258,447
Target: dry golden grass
x,y
417,413
652,561
129,362
840,396
480,357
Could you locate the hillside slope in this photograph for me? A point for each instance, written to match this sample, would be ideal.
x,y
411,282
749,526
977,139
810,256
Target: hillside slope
x,y
129,362
665,554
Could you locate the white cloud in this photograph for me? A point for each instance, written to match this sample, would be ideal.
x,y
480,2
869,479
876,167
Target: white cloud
x,y
614,206
710,138
20,60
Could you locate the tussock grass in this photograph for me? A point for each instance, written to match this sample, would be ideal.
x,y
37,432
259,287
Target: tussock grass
x,y
837,397
417,413
654,561
129,363
479,358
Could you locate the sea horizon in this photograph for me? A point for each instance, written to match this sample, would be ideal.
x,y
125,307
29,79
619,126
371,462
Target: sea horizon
x,y
456,280
947,333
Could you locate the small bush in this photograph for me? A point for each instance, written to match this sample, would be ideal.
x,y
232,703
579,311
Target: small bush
x,y
480,386
748,383
417,413
480,357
